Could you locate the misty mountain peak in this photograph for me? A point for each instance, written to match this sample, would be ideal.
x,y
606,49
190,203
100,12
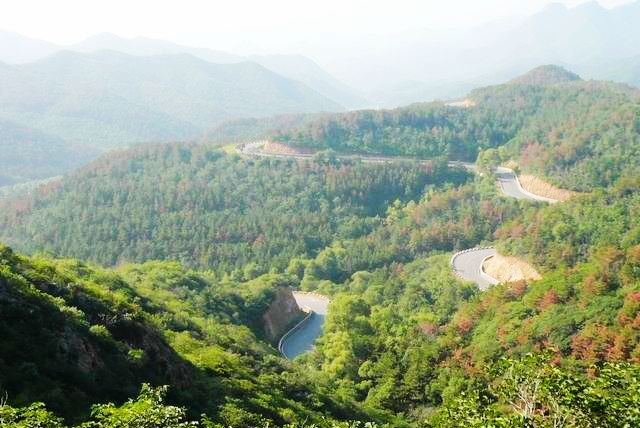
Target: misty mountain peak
x,y
546,75
553,8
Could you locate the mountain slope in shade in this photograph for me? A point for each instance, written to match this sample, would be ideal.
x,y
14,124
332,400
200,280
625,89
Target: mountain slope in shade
x,y
28,154
546,75
114,99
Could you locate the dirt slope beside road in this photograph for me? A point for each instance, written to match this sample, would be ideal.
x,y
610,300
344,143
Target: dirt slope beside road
x,y
540,187
509,269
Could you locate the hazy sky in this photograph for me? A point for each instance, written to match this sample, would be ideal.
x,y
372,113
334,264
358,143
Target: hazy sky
x,y
251,24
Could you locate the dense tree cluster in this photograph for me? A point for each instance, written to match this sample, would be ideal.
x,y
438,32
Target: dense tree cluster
x,y
201,207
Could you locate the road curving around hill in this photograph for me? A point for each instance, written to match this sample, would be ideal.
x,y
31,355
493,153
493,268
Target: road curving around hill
x,y
302,337
255,149
510,185
467,265
506,178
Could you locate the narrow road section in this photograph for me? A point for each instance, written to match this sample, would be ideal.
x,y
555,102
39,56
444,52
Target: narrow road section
x,y
304,337
510,185
507,179
467,265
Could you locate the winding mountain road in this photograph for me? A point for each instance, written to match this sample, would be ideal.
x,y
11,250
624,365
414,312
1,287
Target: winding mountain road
x,y
506,178
303,336
510,185
466,264
255,149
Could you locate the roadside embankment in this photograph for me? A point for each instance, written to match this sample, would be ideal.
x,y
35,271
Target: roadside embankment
x,y
540,187
509,269
282,311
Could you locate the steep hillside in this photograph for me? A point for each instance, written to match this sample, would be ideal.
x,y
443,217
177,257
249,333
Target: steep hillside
x,y
73,335
577,134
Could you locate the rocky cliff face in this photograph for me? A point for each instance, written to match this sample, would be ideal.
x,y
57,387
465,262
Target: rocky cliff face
x,y
282,312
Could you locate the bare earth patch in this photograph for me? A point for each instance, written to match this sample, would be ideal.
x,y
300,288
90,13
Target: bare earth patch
x,y
509,269
466,103
282,149
540,187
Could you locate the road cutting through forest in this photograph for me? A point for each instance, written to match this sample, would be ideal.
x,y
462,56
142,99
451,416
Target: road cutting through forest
x,y
468,264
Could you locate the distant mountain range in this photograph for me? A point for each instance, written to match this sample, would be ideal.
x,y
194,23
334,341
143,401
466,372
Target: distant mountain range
x,y
16,49
29,154
393,70
596,42
108,99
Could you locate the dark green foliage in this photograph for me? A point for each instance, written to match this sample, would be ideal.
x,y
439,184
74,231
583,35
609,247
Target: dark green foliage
x,y
73,335
422,130
206,209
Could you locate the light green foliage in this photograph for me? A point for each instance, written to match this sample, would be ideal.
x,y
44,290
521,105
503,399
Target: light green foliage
x,y
34,416
147,411
532,392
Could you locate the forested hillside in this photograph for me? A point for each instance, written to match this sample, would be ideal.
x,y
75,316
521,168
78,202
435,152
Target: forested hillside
x,y
28,154
411,338
578,134
207,209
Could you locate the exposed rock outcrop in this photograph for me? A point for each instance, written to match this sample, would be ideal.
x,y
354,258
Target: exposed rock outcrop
x,y
282,312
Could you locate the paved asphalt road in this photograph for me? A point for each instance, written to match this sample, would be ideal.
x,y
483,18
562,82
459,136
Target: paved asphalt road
x,y
511,187
506,177
467,265
303,339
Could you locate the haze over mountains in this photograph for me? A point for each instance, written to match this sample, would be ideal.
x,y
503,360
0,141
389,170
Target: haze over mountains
x,y
107,91
597,42
108,99
393,70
